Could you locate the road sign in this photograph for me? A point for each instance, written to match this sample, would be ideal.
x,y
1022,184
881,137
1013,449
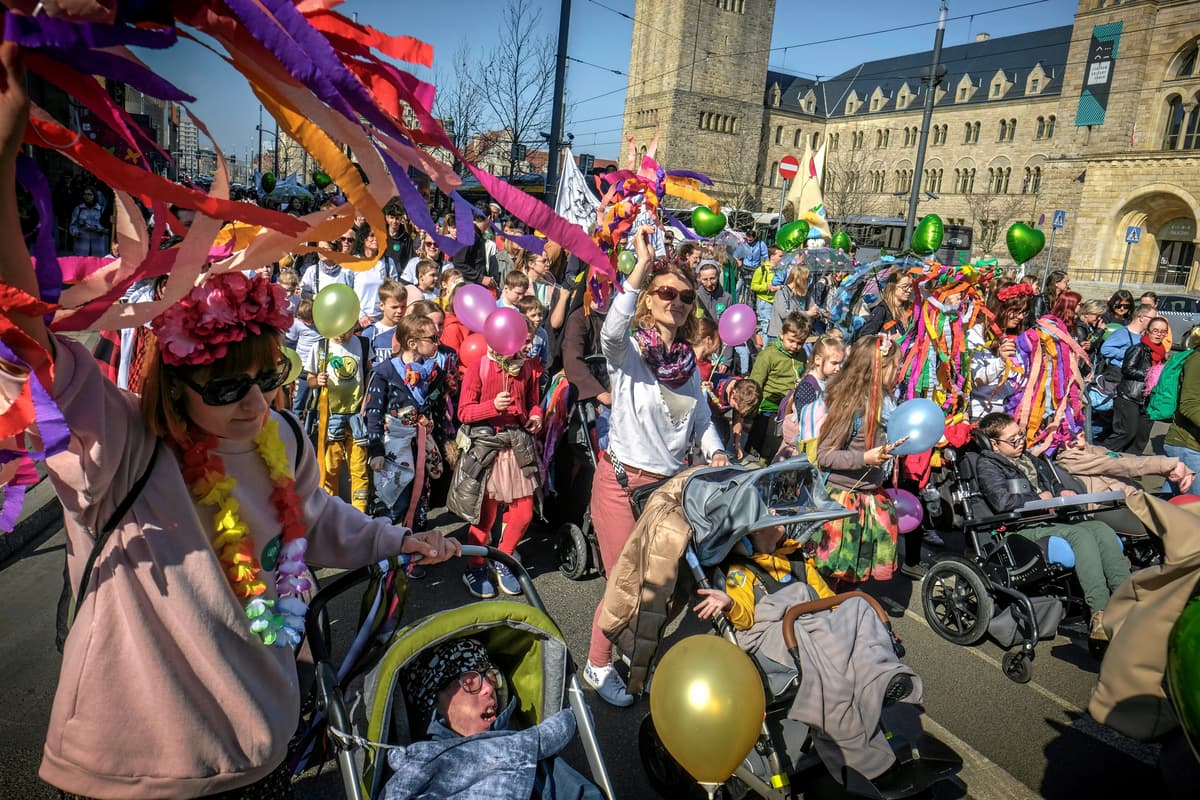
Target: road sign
x,y
1133,234
1060,219
586,162
788,167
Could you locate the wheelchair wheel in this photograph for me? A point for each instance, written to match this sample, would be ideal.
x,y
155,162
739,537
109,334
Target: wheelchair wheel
x,y
672,781
1016,667
956,601
573,552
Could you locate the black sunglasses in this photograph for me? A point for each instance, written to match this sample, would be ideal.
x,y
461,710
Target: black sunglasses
x,y
226,391
668,294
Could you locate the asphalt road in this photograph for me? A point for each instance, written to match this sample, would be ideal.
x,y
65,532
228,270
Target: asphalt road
x,y
1018,741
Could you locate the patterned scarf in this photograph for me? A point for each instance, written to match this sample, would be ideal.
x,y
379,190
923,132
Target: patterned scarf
x,y
672,367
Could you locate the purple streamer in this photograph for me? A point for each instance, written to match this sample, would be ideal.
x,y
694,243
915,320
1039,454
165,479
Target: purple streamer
x,y
43,31
687,232
526,241
14,498
111,65
687,173
47,269
418,210
52,425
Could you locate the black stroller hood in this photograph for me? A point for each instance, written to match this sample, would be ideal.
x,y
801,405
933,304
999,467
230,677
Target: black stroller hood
x,y
723,504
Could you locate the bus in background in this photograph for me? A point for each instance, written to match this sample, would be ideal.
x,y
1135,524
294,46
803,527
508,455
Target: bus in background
x,y
876,235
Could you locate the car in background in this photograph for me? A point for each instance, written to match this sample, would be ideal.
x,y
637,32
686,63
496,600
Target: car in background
x,y
1183,312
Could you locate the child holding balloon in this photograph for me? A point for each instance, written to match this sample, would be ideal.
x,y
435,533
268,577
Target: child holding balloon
x,y
340,367
852,447
500,411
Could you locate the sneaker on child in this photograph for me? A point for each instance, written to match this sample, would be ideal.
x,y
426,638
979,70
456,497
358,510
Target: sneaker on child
x,y
505,580
479,582
608,684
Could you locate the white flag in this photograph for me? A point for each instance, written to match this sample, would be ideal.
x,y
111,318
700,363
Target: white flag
x,y
574,202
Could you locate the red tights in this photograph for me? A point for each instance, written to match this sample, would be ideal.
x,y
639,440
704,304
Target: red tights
x,y
517,517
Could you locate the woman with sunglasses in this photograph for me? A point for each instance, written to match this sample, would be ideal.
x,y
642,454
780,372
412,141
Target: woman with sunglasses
x,y
325,271
1120,310
178,676
659,411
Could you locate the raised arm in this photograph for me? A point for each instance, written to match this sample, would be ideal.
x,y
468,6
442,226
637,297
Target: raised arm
x,y
16,269
614,336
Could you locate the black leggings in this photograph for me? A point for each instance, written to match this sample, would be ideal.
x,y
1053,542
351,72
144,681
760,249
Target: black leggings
x,y
1130,428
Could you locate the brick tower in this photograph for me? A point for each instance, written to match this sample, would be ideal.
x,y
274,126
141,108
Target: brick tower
x,y
697,76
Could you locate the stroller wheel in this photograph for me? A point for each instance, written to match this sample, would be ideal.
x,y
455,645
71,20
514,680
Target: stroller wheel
x,y
672,781
957,603
573,552
1016,667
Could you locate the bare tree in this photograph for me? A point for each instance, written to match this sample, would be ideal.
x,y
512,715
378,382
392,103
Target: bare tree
x,y
458,103
991,214
516,80
848,189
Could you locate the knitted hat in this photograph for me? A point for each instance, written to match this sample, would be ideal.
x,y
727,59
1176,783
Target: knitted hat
x,y
434,669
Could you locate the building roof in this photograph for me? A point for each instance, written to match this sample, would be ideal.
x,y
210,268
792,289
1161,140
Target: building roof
x,y
1016,55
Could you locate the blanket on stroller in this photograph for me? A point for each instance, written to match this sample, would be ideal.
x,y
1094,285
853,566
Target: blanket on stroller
x,y
847,659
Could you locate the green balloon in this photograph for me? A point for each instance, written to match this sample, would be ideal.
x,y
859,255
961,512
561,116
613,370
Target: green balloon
x,y
1183,671
268,182
841,241
927,238
792,235
321,179
626,261
335,310
294,365
1024,242
707,222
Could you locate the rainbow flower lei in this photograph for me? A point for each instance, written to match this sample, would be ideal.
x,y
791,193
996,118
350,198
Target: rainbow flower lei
x,y
278,622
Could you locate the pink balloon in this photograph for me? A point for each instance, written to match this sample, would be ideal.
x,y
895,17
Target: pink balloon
x,y
737,324
473,304
506,331
909,511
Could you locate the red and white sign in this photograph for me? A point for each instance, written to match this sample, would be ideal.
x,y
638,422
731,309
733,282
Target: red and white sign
x,y
788,167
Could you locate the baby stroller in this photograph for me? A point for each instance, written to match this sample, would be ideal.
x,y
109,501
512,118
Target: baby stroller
x,y
576,546
1013,588
721,505
522,641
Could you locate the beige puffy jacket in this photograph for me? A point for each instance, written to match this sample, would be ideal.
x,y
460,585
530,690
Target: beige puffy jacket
x,y
1102,470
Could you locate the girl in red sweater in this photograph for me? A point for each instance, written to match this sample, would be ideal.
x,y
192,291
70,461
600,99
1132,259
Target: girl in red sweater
x,y
500,411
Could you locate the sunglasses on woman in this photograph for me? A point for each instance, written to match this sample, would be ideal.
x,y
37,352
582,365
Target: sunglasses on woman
x,y
226,391
669,294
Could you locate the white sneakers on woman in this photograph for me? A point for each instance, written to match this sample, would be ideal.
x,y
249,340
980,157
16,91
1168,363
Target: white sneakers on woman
x,y
608,683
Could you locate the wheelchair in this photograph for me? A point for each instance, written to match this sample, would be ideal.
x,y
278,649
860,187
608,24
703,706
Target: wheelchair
x,y
1016,589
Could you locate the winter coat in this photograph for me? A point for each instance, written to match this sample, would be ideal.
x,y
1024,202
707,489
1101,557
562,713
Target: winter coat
x,y
500,764
709,301
1005,488
848,659
475,465
1129,696
786,302
388,395
1101,470
644,591
1185,428
1134,367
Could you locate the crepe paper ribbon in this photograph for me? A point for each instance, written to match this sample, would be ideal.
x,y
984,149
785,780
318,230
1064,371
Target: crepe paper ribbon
x,y
688,174
687,232
688,189
46,267
42,30
526,241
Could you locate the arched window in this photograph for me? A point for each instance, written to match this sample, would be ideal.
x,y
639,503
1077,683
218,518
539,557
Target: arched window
x,y
774,172
1003,130
1040,130
887,134
1175,117
816,137
1035,185
1012,129
967,134
778,134
971,182
1007,171
1186,64
1050,127
796,138
975,132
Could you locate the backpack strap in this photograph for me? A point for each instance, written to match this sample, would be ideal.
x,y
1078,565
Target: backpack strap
x,y
297,432
106,531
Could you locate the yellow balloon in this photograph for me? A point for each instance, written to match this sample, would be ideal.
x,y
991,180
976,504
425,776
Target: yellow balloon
x,y
707,703
294,365
335,310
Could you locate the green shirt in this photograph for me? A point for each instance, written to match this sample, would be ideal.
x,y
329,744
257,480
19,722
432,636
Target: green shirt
x,y
777,372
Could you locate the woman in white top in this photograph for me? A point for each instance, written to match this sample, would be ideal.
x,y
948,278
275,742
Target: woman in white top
x,y
367,282
658,411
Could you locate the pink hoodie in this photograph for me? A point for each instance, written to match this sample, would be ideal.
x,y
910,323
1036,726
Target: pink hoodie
x,y
164,691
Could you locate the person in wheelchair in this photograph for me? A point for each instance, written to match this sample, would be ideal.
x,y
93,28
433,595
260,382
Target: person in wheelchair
x,y
850,666
1009,478
473,747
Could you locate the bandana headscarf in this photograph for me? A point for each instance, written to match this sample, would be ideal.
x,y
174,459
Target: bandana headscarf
x,y
672,367
432,671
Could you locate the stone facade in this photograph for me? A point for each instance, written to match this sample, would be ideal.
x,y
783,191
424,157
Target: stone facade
x,y
1125,171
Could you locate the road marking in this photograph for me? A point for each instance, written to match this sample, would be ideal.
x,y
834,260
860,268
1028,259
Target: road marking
x,y
984,778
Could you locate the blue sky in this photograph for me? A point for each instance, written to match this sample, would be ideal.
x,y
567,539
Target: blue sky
x,y
601,36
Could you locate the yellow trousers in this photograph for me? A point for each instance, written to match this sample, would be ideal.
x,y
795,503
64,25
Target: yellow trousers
x,y
353,455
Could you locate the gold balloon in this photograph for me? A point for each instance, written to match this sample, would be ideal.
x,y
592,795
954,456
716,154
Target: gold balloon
x,y
707,703
294,365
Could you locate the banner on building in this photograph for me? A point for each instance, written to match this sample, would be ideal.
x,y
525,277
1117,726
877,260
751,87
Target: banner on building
x,y
1098,74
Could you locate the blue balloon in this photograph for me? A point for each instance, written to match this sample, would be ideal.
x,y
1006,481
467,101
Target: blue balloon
x,y
921,420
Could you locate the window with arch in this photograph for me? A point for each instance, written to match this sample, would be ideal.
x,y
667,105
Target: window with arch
x,y
1012,129
1186,62
972,133
796,139
736,6
878,138
1039,131
833,141
774,173
1183,126
1050,126
778,134
1032,183
816,137
1003,130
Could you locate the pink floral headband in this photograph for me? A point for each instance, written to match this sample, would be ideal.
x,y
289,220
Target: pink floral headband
x,y
223,310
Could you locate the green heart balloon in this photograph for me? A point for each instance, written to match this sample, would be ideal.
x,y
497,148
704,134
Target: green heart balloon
x,y
1183,671
321,179
792,235
626,261
927,237
707,222
1024,242
841,241
268,182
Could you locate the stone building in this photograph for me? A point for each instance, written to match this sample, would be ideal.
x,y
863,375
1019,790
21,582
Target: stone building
x,y
1100,119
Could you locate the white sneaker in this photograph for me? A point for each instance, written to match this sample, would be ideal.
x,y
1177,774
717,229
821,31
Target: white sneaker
x,y
608,684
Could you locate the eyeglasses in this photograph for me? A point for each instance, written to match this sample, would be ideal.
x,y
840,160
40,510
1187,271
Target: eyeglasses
x,y
226,391
669,294
472,680
1016,441
1122,305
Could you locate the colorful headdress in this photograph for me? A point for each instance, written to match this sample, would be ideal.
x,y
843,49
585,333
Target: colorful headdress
x,y
224,309
1015,291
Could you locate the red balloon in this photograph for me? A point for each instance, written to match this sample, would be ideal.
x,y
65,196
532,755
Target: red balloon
x,y
1183,499
473,348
